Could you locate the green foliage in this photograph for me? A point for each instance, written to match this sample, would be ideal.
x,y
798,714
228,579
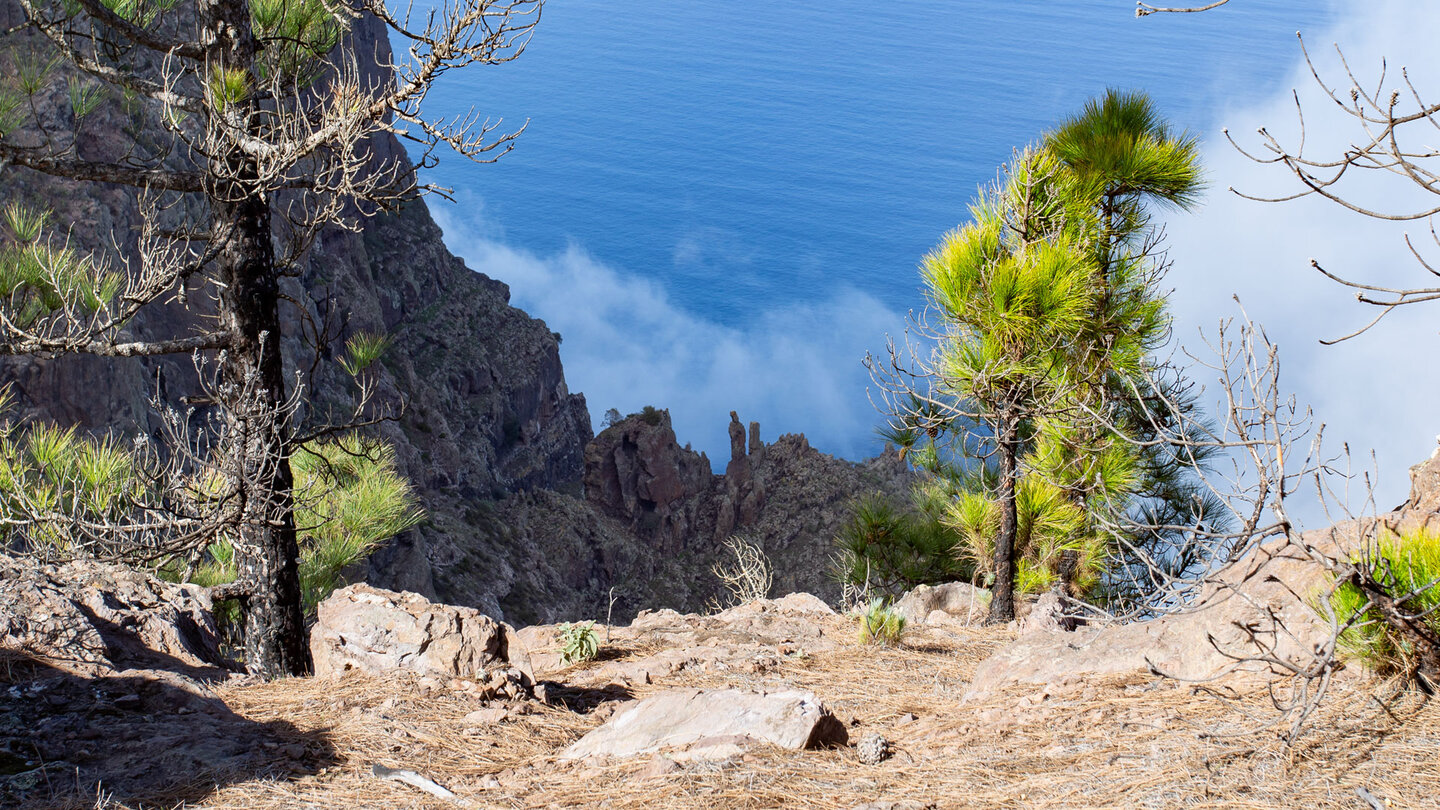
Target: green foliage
x,y
38,278
33,71
228,87
12,110
1049,522
1119,146
58,472
1050,310
1015,289
295,34
1125,160
1013,297
651,415
578,642
25,223
140,12
894,550
349,499
881,624
362,350
1408,569
85,97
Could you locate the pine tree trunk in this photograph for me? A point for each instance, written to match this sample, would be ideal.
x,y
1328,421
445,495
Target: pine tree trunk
x,y
1002,592
253,377
266,550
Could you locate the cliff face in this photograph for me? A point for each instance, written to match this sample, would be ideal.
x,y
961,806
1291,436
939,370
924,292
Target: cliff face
x,y
486,409
654,519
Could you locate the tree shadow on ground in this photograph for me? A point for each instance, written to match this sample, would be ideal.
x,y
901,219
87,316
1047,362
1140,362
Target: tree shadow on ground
x,y
582,700
150,737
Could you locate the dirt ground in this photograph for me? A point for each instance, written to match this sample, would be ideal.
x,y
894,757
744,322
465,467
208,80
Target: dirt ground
x,y
1135,741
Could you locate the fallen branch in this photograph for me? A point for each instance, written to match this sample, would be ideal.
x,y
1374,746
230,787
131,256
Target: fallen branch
x,y
415,780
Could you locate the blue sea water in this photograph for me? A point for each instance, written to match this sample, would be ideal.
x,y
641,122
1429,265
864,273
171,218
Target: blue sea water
x,y
740,160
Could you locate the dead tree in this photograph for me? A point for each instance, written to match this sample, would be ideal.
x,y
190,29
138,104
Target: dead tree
x,y
259,124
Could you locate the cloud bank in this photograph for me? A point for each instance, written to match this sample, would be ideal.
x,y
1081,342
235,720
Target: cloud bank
x,y
1378,391
627,344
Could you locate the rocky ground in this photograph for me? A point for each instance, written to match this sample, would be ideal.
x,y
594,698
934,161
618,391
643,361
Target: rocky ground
x,y
1117,740
114,693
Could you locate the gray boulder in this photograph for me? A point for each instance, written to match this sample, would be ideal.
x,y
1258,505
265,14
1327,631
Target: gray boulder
x,y
957,600
379,631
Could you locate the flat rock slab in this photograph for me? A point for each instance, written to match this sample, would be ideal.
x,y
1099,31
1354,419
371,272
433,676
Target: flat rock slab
x,y
694,718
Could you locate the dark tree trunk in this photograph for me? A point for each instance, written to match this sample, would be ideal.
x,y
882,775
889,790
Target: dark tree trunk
x,y
253,378
1002,592
266,551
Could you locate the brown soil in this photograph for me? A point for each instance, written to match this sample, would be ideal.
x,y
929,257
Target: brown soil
x,y
1123,742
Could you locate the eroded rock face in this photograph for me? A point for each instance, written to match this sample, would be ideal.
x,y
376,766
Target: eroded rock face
x,y
637,473
380,631
91,618
786,495
713,724
487,409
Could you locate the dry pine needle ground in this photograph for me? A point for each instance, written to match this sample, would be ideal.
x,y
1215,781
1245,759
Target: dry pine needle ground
x,y
1126,742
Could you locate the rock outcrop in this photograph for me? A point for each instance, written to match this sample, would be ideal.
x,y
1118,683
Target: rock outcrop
x,y
753,637
712,724
379,631
107,684
787,496
959,601
94,619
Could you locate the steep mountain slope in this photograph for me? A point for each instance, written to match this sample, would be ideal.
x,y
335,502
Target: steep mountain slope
x,y
654,519
486,410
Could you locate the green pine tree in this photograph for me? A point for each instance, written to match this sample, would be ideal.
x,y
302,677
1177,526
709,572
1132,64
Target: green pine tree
x,y
1127,162
1014,289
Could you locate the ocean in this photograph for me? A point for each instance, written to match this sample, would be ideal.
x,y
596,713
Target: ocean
x,y
721,206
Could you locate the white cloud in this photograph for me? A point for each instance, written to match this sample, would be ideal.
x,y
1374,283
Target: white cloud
x,y
626,344
1379,390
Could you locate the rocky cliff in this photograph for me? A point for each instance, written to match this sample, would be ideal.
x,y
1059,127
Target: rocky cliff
x,y
486,409
653,520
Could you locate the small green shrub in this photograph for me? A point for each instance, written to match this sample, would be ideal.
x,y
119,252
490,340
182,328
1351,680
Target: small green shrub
x,y
880,624
650,415
1408,568
362,350
578,642
893,550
